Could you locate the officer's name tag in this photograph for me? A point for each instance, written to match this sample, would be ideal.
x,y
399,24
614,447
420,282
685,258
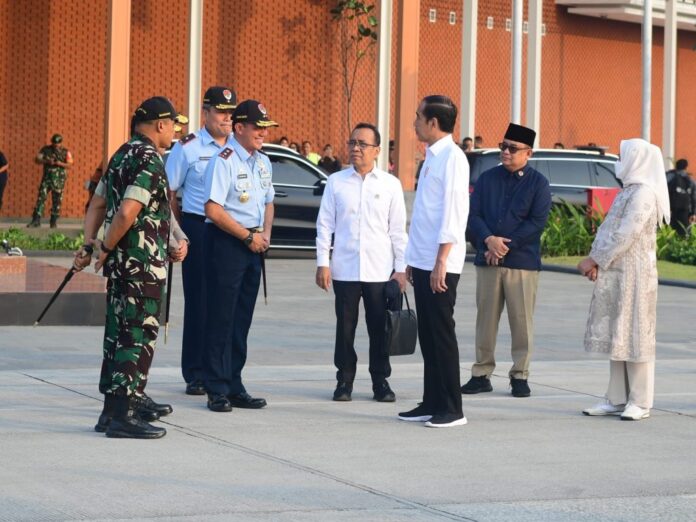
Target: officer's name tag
x,y
204,158
242,175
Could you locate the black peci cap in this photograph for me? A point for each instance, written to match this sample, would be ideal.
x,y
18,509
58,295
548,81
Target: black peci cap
x,y
252,111
156,108
522,134
220,98
56,139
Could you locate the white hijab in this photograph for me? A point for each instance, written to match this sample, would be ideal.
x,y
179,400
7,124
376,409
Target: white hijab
x,y
641,163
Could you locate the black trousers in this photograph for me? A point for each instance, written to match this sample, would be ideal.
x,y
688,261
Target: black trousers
x,y
233,275
438,342
348,294
193,275
3,183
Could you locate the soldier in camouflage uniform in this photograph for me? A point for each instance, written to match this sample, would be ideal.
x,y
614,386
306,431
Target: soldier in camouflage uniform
x,y
56,159
131,199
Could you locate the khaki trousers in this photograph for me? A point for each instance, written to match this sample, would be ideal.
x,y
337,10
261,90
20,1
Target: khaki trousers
x,y
497,287
631,382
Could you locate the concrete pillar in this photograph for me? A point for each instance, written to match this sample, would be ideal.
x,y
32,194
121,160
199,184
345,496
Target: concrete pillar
x,y
516,68
467,122
407,91
194,64
534,68
384,80
646,69
117,117
669,90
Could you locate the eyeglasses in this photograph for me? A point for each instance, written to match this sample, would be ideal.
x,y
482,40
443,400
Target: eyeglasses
x,y
361,144
512,148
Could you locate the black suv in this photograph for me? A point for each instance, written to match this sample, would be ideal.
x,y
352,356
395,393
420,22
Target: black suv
x,y
299,185
570,172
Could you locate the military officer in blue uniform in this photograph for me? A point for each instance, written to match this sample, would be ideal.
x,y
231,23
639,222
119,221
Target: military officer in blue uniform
x,y
239,215
185,169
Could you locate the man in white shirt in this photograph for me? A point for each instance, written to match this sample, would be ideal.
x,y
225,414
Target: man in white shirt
x,y
363,207
435,258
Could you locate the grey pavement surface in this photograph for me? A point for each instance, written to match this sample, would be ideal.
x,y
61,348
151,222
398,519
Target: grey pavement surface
x,y
305,457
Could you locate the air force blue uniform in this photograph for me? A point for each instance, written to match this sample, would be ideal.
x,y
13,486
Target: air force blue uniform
x,y
185,169
242,184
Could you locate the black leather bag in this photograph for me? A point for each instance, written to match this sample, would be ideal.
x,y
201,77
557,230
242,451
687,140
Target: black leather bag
x,y
401,331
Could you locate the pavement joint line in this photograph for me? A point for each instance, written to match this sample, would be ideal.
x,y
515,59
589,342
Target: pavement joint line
x,y
313,471
286,462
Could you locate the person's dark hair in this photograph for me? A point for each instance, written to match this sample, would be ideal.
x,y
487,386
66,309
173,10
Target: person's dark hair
x,y
363,125
468,138
681,164
283,138
306,142
442,109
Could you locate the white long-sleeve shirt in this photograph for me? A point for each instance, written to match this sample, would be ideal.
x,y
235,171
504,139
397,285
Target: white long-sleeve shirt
x,y
441,208
368,219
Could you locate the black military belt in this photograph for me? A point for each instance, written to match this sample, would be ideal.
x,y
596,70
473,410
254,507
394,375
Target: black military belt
x,y
196,217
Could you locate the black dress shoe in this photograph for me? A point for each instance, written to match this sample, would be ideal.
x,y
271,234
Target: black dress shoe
x,y
132,427
195,388
219,403
383,393
479,384
244,400
343,391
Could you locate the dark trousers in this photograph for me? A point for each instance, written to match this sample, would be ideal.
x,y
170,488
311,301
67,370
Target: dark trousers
x,y
438,342
193,275
348,294
3,183
679,220
233,274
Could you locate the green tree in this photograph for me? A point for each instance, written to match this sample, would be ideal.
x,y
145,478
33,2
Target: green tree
x,y
358,38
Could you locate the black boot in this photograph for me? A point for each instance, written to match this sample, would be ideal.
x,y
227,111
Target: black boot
x,y
35,221
148,403
54,221
126,425
107,413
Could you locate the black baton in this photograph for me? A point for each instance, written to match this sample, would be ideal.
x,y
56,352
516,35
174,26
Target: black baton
x,y
169,301
88,250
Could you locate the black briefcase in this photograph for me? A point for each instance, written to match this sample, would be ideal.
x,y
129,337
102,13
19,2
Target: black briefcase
x,y
401,331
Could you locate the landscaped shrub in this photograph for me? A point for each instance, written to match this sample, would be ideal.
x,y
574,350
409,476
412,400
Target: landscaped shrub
x,y
55,241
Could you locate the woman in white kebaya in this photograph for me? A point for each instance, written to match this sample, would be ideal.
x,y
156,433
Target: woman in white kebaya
x,y
623,264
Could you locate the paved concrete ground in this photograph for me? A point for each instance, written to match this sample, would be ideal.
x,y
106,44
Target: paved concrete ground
x,y
308,458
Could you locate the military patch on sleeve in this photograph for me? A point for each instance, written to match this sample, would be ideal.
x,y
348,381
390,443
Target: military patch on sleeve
x,y
226,153
186,139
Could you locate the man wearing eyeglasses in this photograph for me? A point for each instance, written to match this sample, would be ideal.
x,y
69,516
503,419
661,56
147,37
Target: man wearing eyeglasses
x,y
509,209
363,207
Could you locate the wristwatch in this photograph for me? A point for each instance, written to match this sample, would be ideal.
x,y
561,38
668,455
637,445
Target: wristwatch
x,y
249,239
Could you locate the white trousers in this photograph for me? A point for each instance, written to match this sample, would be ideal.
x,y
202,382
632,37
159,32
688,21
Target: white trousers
x,y
631,382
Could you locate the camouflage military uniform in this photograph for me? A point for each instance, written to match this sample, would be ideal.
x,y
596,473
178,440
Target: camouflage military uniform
x,y
137,268
53,179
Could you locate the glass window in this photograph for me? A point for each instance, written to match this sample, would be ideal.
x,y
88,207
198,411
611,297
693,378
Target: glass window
x,y
290,172
540,165
567,172
606,176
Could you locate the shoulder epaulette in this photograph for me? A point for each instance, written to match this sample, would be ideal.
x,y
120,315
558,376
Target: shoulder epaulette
x,y
226,153
188,138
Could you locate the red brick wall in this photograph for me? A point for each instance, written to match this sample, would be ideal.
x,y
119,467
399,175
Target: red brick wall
x,y
53,59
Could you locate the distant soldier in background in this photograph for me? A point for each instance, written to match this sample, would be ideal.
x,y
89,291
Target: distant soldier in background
x,y
56,159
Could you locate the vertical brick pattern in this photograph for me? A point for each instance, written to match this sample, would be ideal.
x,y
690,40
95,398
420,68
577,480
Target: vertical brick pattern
x,y
53,65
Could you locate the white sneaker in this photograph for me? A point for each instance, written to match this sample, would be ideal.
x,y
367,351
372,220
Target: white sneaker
x,y
634,413
604,408
447,420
